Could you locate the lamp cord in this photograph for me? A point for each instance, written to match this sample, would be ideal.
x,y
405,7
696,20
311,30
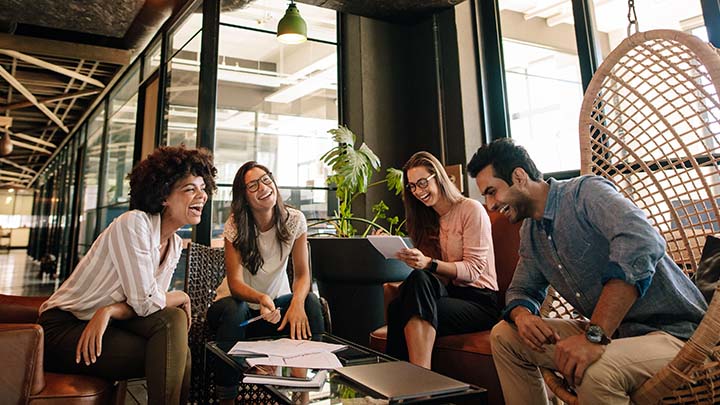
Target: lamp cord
x,y
632,19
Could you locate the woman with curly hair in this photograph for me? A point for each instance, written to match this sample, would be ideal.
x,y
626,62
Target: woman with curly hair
x,y
112,317
261,234
453,288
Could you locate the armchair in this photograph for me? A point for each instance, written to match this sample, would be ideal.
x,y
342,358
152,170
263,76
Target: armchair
x,y
24,380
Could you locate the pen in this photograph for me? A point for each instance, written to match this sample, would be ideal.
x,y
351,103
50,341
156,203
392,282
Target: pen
x,y
251,320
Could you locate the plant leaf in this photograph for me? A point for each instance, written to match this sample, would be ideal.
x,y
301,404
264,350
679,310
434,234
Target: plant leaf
x,y
394,179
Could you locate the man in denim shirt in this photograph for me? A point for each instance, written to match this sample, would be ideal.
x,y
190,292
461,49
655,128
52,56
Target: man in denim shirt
x,y
598,250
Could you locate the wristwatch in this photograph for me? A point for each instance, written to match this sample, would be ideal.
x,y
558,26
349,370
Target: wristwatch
x,y
433,266
596,334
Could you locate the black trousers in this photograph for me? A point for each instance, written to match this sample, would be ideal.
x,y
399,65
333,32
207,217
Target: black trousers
x,y
449,309
226,314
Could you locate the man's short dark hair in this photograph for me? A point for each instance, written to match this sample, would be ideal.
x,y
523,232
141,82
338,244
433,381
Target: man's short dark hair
x,y
504,156
152,179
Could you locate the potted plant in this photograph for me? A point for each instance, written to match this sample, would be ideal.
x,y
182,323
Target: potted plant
x,y
350,273
351,171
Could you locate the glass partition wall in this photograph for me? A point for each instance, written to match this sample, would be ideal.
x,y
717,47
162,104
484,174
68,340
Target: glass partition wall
x,y
275,104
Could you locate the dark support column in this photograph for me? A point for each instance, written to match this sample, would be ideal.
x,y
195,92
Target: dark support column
x,y
711,14
162,108
102,178
492,70
585,38
207,102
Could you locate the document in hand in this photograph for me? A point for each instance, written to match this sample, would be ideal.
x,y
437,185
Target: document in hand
x,y
388,245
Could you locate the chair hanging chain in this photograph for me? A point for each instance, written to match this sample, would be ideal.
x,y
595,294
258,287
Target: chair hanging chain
x,y
632,19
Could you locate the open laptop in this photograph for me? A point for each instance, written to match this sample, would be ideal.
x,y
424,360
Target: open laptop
x,y
399,380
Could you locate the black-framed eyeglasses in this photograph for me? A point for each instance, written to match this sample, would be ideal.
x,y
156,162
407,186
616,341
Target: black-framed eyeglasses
x,y
254,185
422,183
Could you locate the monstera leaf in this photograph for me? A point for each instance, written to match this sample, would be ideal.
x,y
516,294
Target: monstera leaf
x,y
351,170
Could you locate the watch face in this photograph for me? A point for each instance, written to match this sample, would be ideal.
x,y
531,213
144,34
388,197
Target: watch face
x,y
594,334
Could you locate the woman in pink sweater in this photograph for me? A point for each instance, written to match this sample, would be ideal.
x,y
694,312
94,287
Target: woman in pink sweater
x,y
454,287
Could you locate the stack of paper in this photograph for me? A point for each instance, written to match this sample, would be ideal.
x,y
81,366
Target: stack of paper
x,y
316,382
290,353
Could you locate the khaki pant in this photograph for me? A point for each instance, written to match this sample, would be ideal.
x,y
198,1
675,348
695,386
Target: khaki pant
x,y
624,366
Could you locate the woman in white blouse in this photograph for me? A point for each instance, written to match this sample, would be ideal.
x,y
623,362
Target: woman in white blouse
x,y
112,317
261,234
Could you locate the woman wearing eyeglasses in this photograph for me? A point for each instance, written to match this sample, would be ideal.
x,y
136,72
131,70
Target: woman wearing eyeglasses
x,y
453,288
261,235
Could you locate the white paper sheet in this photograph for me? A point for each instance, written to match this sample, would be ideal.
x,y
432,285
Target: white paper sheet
x,y
283,347
323,360
387,245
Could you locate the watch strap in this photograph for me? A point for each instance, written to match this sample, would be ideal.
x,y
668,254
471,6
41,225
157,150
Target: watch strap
x,y
433,266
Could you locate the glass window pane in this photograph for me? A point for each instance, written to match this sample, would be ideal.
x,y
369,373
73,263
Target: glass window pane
x,y
152,58
185,36
91,172
121,140
543,85
611,19
182,95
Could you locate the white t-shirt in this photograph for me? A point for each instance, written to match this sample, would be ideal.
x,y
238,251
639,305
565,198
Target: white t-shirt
x,y
271,278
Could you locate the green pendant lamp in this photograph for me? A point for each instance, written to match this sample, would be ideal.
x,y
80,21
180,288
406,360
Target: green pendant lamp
x,y
292,28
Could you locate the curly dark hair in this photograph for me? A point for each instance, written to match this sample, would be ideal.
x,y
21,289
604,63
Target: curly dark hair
x,y
152,179
504,156
246,241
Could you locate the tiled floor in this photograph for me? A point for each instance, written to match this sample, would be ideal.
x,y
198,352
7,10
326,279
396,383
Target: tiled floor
x,y
19,275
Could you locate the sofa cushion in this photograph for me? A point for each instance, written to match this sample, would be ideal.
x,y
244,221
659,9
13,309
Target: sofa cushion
x,y
476,342
78,389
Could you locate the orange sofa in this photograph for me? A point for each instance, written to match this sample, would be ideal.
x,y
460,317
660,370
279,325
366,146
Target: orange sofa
x,y
24,380
467,357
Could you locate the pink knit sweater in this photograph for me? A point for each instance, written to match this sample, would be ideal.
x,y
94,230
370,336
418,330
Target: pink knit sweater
x,y
466,240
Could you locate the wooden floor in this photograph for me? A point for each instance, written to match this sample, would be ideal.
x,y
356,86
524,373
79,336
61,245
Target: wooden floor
x,y
19,275
136,393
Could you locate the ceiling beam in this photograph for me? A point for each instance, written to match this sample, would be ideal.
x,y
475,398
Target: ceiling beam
x,y
63,49
17,166
31,147
5,121
28,95
29,138
16,174
4,178
52,67
23,104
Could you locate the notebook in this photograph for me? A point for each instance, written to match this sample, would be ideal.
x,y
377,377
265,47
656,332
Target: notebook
x,y
399,380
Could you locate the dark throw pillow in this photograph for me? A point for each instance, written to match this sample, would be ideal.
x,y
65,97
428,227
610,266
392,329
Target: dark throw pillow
x,y
708,271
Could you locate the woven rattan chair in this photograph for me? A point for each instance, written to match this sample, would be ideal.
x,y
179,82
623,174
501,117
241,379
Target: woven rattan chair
x,y
205,272
650,123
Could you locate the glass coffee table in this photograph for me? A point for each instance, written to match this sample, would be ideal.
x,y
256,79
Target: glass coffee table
x,y
336,389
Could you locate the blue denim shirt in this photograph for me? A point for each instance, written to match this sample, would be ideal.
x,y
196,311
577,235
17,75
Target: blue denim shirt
x,y
590,234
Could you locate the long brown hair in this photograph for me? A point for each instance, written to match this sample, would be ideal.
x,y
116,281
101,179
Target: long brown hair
x,y
423,223
246,241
